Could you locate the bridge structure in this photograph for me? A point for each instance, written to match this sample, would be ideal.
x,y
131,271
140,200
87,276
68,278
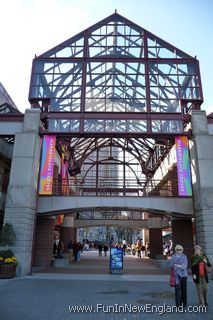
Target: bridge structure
x,y
114,126
173,206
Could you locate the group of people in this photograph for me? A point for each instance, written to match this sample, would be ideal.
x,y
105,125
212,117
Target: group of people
x,y
200,267
136,248
73,249
139,248
102,247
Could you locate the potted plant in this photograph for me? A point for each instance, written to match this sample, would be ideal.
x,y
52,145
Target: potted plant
x,y
8,264
8,261
7,235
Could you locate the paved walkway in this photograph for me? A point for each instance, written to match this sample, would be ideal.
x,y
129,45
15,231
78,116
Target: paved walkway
x,y
65,296
90,262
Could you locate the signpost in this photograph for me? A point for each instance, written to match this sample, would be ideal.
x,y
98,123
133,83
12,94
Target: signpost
x,y
116,260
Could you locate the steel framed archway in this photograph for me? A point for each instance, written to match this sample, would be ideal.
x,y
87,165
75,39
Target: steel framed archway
x,y
115,84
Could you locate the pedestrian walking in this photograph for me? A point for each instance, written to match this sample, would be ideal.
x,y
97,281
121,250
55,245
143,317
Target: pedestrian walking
x,y
138,247
105,249
124,249
143,251
200,266
179,263
100,247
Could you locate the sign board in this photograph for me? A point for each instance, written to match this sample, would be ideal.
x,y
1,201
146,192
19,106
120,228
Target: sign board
x,y
116,260
47,165
183,166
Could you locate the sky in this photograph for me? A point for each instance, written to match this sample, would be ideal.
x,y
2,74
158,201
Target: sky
x,y
31,27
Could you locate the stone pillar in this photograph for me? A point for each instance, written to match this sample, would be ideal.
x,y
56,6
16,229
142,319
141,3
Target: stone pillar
x,y
201,152
155,242
20,208
44,237
146,239
67,232
182,234
145,216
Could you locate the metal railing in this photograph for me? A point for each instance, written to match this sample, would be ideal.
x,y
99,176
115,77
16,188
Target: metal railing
x,y
114,187
100,215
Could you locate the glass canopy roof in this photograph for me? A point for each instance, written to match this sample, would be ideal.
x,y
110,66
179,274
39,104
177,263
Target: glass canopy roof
x,y
115,77
115,94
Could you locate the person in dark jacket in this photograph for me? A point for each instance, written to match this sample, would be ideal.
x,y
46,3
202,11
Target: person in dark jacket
x,y
100,248
200,266
105,249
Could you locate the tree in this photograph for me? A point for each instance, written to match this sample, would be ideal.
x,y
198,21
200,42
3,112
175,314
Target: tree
x,y
7,235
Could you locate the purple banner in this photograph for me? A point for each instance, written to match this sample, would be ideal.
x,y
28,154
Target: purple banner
x,y
183,166
47,165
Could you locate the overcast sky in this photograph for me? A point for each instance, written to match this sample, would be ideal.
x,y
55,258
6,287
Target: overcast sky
x,y
29,27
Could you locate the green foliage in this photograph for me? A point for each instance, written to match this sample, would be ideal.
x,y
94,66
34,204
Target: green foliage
x,y
6,253
7,235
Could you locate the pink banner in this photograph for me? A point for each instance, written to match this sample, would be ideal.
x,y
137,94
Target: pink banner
x,y
183,166
47,165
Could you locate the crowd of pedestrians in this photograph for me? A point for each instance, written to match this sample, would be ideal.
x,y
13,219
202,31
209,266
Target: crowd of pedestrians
x,y
136,248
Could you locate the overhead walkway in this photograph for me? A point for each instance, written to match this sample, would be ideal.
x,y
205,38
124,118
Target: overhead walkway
x,y
174,206
139,223
10,128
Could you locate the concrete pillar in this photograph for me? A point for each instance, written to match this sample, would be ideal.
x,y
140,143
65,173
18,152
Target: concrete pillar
x,y
145,231
201,153
21,201
43,245
155,242
182,234
67,232
146,236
